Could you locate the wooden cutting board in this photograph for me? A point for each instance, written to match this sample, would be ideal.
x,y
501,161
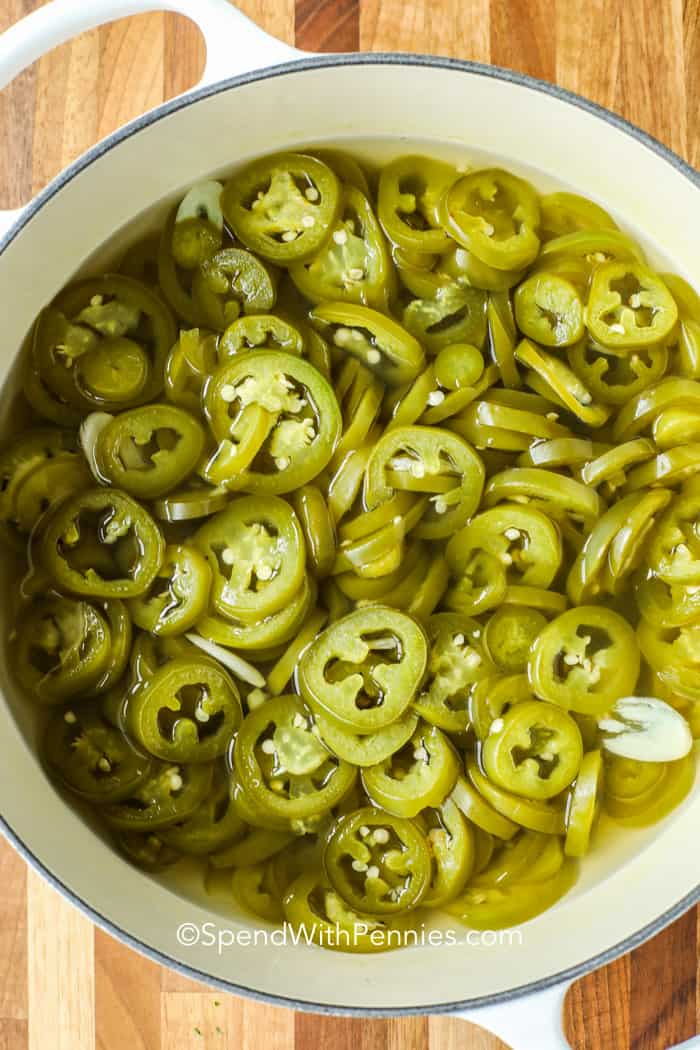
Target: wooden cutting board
x,y
65,985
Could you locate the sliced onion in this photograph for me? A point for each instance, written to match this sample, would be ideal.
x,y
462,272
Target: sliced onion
x,y
646,729
90,430
240,667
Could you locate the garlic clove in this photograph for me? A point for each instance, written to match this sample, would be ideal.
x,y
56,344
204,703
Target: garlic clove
x,y
203,201
646,729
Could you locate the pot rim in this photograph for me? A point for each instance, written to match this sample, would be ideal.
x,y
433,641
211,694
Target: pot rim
x,y
196,94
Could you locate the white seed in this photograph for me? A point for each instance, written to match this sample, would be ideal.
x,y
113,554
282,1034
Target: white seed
x,y
311,193
420,754
308,221
290,235
264,572
228,556
356,273
105,765
646,729
472,659
635,301
571,658
267,747
618,329
373,872
436,397
381,836
489,230
282,463
440,506
176,782
417,469
506,559
458,639
552,417
359,865
496,726
70,717
228,393
201,715
512,534
340,236
364,831
373,356
299,721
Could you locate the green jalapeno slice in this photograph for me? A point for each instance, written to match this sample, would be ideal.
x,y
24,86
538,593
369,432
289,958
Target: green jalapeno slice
x,y
451,841
190,361
584,805
629,306
379,863
283,206
549,310
168,795
354,264
179,595
509,635
420,774
454,314
364,669
185,712
62,648
533,750
378,342
283,765
102,544
410,190
495,215
365,749
147,451
276,419
432,461
90,757
103,343
311,902
255,549
456,662
584,660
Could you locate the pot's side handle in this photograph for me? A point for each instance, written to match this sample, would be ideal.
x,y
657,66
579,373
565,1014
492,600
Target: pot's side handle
x,y
532,1022
234,44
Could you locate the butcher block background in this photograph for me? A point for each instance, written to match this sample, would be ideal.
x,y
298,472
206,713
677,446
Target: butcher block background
x,y
65,985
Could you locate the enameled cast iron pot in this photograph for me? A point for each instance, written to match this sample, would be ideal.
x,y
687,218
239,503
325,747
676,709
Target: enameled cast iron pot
x,y
259,96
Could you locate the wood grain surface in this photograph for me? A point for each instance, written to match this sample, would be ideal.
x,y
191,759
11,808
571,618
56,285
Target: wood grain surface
x,y
65,985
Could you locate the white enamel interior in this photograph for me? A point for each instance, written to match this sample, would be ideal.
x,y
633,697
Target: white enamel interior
x,y
627,882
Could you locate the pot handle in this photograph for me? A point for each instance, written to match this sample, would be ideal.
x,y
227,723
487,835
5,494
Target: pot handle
x,y
234,43
531,1022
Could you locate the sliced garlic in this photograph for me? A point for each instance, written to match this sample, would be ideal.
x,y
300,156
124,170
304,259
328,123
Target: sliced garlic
x,y
203,201
90,430
240,667
646,729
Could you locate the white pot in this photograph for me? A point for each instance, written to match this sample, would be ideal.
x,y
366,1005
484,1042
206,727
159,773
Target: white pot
x,y
640,880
